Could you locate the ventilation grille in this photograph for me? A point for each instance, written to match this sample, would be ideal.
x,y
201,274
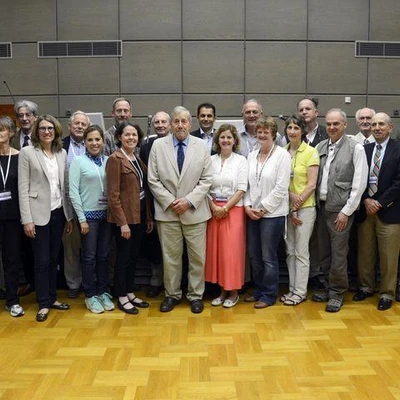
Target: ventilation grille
x,y
5,50
96,48
377,49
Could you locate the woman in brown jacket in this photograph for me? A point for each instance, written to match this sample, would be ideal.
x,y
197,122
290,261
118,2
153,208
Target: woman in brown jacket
x,y
129,210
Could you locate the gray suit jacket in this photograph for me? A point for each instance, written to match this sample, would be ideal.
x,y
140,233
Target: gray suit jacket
x,y
34,186
168,185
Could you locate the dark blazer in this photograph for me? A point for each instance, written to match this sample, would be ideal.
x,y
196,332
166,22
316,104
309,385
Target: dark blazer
x,y
197,134
145,150
66,142
388,193
319,136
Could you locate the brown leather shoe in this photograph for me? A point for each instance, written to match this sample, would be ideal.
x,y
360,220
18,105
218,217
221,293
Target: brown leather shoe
x,y
250,299
261,304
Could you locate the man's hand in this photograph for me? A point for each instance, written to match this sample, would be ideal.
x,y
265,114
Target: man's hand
x,y
180,205
341,222
372,206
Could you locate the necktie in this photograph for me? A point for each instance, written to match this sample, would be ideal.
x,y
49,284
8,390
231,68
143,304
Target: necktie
x,y
373,185
26,141
181,156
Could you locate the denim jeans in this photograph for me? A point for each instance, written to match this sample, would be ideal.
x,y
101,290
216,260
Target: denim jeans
x,y
263,237
95,257
46,249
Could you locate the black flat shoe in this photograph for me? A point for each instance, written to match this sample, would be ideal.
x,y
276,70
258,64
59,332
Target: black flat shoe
x,y
61,306
41,316
139,303
132,311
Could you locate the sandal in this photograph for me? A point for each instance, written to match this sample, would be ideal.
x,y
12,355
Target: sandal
x,y
286,296
294,300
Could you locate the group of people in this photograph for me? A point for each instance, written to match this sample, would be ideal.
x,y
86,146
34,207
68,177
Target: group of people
x,y
223,199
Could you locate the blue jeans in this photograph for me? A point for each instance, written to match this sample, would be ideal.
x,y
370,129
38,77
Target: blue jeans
x,y
95,257
263,238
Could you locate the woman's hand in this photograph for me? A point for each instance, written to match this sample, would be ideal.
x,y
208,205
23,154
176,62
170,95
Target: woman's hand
x,y
295,219
296,200
150,226
125,232
29,230
219,212
254,213
84,228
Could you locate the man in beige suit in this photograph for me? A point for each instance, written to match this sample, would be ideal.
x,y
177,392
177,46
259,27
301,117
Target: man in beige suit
x,y
180,176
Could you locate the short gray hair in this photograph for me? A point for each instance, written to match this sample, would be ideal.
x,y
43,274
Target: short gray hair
x,y
253,101
79,112
30,105
340,111
179,110
358,111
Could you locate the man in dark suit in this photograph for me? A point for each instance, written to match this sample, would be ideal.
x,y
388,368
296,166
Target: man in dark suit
x,y
206,116
74,146
151,247
26,112
380,215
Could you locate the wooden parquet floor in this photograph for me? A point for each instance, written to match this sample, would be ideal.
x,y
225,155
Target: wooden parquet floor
x,y
240,353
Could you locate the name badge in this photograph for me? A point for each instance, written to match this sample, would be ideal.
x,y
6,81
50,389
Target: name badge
x,y
6,195
103,200
220,197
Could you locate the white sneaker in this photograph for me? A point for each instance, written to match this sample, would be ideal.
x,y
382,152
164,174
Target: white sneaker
x,y
15,310
93,304
106,302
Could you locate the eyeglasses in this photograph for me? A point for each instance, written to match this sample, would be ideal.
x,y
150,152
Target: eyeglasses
x,y
44,129
22,115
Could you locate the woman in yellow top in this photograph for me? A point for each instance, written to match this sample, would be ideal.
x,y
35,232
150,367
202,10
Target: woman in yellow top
x,y
303,179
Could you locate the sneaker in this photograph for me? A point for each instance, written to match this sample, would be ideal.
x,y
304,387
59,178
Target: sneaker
x,y
94,305
106,302
15,310
334,305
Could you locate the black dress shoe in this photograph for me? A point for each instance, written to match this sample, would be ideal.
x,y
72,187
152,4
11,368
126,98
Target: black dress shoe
x,y
168,304
41,316
361,295
132,310
384,304
139,303
153,291
60,306
398,294
196,306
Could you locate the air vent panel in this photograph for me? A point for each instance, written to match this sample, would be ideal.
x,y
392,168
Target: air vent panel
x,y
377,49
5,50
97,48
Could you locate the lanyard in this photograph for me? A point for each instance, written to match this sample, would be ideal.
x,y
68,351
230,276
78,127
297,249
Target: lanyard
x,y
8,170
137,168
258,176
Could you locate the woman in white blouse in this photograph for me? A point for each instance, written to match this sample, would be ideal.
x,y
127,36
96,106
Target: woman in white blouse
x,y
226,230
44,206
267,205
